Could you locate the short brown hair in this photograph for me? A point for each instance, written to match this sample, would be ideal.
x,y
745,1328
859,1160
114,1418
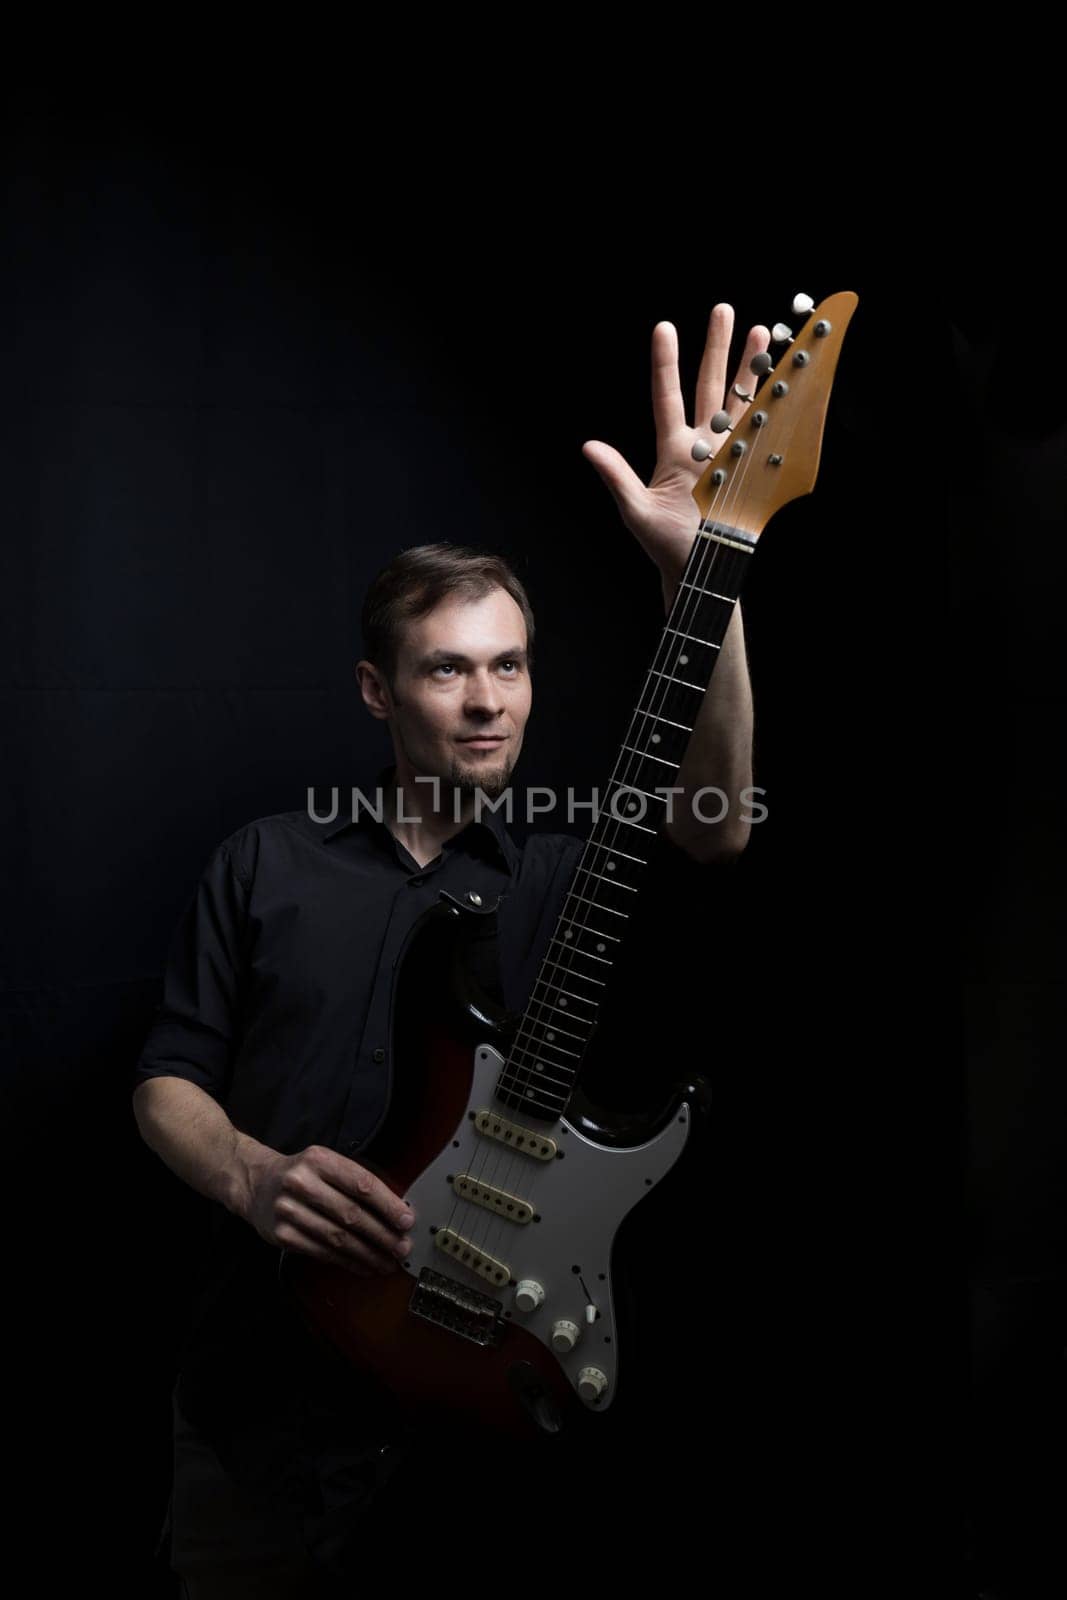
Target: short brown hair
x,y
418,579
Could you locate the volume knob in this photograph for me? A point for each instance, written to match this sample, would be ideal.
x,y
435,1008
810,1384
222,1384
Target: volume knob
x,y
528,1295
565,1335
591,1384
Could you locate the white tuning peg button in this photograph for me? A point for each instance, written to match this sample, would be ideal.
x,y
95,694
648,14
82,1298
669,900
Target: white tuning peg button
x,y
720,422
761,363
802,304
701,450
780,334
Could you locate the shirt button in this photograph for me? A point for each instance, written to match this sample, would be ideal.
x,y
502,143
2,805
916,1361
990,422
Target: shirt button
x,y
379,1054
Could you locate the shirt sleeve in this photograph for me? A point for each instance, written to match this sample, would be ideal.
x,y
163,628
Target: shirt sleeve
x,y
197,1026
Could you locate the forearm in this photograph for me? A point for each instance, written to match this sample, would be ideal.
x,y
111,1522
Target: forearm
x,y
193,1136
718,756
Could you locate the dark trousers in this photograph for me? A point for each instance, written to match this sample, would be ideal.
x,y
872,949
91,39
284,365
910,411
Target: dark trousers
x,y
230,1544
227,1538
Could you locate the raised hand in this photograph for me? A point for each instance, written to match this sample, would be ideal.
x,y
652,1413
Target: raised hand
x,y
662,514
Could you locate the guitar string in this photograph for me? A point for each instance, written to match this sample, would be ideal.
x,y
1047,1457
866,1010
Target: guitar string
x,y
518,1073
704,566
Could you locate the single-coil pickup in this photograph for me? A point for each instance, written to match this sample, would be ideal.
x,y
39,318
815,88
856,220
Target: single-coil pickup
x,y
525,1140
505,1205
453,1245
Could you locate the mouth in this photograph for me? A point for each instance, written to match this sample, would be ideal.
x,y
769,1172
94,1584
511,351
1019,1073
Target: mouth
x,y
483,741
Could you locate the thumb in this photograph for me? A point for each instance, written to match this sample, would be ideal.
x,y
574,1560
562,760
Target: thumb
x,y
620,477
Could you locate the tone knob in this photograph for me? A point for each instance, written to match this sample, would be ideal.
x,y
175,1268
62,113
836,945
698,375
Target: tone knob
x,y
565,1335
591,1384
529,1295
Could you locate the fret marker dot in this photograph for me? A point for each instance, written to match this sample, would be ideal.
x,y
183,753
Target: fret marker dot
x,y
601,947
563,999
683,661
611,866
569,934
655,738
550,1037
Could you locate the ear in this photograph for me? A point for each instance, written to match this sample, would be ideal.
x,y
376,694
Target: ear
x,y
375,690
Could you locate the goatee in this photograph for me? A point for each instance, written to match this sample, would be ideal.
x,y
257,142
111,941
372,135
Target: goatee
x,y
469,782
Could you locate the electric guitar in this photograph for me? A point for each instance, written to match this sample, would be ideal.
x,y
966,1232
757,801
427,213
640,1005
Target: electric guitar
x,y
503,1314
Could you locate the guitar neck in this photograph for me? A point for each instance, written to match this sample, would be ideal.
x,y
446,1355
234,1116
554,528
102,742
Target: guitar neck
x,y
549,1044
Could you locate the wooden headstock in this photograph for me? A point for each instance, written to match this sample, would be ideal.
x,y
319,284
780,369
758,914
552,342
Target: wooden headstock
x,y
771,455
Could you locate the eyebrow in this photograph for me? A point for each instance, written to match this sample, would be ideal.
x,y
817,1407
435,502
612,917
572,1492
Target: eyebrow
x,y
437,658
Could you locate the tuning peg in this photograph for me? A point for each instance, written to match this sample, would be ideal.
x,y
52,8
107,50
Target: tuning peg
x,y
701,450
802,304
780,334
721,423
743,393
761,363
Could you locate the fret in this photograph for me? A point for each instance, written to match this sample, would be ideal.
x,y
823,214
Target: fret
x,y
712,594
663,696
583,999
655,718
587,927
589,873
572,894
546,962
632,788
589,956
526,1091
683,683
693,638
607,816
539,1022
539,1066
550,1044
614,851
559,1022
573,942
646,755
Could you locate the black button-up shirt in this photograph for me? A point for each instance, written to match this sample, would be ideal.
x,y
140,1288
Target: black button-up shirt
x,y
277,1002
278,988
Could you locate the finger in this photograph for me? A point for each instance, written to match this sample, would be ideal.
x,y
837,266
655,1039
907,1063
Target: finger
x,y
617,473
759,339
711,378
338,1209
668,406
294,1238
361,1185
300,1224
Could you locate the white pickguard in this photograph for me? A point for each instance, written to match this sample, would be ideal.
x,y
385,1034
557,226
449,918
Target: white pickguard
x,y
581,1199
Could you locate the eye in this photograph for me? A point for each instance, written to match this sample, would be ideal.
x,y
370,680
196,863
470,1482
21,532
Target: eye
x,y
444,666
514,664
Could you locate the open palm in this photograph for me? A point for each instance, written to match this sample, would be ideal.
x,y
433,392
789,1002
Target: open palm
x,y
662,514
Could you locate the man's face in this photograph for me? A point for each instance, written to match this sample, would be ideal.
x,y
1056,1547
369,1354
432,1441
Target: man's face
x,y
462,676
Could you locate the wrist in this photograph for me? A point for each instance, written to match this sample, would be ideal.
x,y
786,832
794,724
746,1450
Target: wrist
x,y
243,1174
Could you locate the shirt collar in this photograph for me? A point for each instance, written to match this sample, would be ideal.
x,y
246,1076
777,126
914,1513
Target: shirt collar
x,y
489,831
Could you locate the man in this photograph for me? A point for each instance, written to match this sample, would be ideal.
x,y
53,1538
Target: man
x,y
266,1071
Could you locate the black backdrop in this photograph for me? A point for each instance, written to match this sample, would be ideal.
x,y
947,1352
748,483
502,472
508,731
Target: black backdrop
x,y
247,363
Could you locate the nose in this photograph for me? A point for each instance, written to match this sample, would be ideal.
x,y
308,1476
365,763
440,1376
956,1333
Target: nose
x,y
484,694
